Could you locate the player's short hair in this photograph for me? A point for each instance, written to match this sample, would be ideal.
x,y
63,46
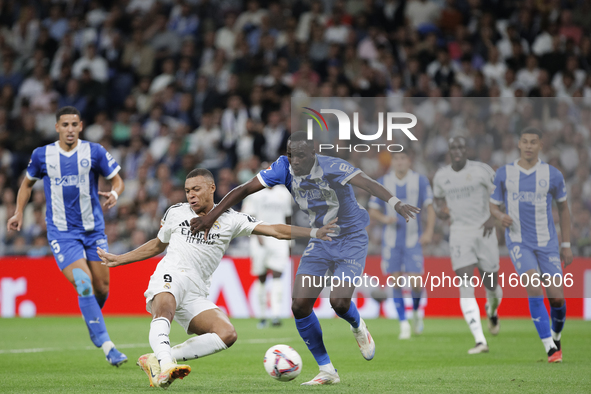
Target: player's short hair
x,y
301,136
531,130
68,110
204,172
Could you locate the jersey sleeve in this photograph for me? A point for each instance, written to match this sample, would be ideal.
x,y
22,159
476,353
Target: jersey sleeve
x,y
243,224
557,185
276,174
425,192
108,166
34,169
340,170
165,227
498,194
438,191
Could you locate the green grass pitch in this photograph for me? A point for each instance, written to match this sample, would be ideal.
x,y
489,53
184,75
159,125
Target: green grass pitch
x,y
56,355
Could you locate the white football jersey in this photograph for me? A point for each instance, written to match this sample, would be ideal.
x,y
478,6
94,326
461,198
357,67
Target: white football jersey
x,y
193,254
270,205
466,192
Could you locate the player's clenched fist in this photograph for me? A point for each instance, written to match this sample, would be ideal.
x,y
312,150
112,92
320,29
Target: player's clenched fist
x,y
406,210
506,220
15,222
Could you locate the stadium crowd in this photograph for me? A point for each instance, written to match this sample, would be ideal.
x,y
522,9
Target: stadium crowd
x,y
169,85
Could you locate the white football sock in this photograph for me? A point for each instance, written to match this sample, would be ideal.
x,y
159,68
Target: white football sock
x,y
471,313
328,368
276,295
107,346
548,344
262,295
556,335
494,299
198,347
160,341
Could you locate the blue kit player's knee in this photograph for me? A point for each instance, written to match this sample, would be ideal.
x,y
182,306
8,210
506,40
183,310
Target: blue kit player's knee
x,y
67,251
82,282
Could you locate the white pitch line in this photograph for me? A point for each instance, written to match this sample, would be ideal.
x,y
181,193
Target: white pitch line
x,y
131,346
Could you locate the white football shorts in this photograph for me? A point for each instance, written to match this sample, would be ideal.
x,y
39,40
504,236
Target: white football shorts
x,y
470,247
190,300
273,255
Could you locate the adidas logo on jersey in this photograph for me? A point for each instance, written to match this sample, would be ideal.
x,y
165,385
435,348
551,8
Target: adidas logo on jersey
x,y
185,223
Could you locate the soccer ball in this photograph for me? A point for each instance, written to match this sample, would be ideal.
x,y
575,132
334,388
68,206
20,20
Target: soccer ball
x,y
283,363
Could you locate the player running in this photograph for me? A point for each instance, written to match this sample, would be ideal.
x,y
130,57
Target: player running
x,y
402,242
70,170
461,192
321,186
271,206
527,188
180,284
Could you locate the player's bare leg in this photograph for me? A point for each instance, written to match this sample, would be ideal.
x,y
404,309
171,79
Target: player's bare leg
x,y
215,333
400,308
163,308
100,281
79,275
340,300
306,290
470,310
494,296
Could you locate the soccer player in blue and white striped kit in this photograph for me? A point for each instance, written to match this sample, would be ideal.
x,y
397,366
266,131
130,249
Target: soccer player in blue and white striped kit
x,y
402,250
70,169
321,185
527,188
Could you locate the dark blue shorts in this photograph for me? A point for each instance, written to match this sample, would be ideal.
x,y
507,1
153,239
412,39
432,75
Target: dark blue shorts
x,y
409,260
545,260
344,256
68,250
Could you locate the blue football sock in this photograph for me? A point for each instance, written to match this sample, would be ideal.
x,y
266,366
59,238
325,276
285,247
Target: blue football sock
x,y
352,316
399,303
311,332
416,298
101,301
94,320
539,315
558,317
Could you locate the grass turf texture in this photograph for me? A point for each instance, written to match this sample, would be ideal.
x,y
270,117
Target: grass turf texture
x,y
61,358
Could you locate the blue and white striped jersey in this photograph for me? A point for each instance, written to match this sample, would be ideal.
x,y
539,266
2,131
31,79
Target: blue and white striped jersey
x,y
324,194
70,180
413,189
527,195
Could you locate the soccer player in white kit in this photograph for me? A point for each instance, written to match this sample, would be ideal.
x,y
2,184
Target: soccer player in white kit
x,y
271,205
180,284
461,192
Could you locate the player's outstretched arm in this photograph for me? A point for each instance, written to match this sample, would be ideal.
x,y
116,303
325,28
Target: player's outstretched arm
x,y
505,219
364,182
150,249
239,193
284,231
117,187
566,254
22,198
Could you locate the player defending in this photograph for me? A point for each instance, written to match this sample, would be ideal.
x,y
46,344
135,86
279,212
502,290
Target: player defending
x,y
271,206
321,186
461,192
70,169
180,285
527,187
402,242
